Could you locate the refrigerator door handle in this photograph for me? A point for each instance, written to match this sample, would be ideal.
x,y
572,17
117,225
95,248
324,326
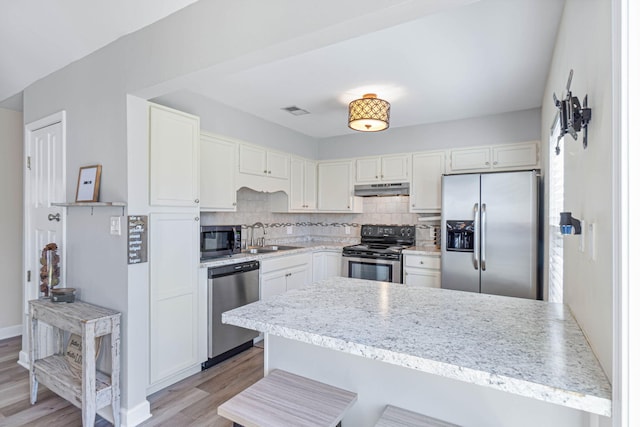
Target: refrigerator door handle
x,y
483,230
476,235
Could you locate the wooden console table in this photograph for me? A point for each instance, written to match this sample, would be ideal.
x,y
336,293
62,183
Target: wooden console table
x,y
89,390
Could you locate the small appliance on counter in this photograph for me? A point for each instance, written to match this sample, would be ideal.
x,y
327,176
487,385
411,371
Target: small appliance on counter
x,y
219,241
379,254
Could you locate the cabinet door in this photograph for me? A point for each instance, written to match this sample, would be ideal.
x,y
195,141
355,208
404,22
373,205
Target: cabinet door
x,y
515,155
218,165
335,186
310,184
333,264
426,181
471,159
394,168
297,193
277,165
272,284
298,276
253,160
422,277
174,157
368,170
173,305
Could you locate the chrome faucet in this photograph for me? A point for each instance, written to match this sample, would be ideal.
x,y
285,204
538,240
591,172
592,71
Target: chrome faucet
x,y
264,232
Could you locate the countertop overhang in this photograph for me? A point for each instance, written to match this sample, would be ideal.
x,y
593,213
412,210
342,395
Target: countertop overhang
x,y
529,348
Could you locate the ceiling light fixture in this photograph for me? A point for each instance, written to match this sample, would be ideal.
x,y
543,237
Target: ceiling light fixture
x,y
369,114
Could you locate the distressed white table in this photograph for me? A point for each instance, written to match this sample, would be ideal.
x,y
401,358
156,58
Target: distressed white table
x,y
89,390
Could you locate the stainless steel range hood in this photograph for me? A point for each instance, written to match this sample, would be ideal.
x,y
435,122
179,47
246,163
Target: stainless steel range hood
x,y
390,189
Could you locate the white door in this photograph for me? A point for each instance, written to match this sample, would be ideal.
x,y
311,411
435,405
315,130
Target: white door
x,y
43,223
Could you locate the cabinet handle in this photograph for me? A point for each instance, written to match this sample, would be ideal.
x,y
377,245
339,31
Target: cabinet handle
x,y
348,207
265,171
495,162
269,172
413,205
52,217
421,262
197,200
376,176
486,163
196,219
234,204
381,176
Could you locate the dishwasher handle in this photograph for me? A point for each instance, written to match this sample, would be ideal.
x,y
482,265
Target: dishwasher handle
x,y
226,270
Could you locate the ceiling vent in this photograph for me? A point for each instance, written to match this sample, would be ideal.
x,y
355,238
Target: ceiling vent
x,y
296,111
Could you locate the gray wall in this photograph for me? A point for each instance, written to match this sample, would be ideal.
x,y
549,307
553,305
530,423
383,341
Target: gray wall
x,y
588,180
505,128
11,176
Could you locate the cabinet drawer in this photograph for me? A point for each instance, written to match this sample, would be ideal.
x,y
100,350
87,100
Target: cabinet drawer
x,y
285,261
422,261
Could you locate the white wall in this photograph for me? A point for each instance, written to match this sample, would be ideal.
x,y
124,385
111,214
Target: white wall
x,y
584,44
518,126
11,170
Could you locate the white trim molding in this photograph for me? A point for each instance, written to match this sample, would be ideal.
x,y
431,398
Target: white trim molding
x,y
10,331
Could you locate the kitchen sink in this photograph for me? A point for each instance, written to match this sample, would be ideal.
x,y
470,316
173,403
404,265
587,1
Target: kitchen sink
x,y
269,249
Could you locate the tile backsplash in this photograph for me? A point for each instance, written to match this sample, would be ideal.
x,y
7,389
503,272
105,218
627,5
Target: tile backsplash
x,y
254,206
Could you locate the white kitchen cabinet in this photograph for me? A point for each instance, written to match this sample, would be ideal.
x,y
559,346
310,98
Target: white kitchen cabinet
x,y
303,185
218,166
174,157
335,187
326,264
283,273
256,160
496,157
392,168
173,297
421,270
426,178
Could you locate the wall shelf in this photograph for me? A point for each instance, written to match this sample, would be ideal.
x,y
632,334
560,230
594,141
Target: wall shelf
x,y
92,205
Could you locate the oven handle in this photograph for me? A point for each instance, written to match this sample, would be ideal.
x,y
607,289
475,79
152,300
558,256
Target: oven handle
x,y
476,235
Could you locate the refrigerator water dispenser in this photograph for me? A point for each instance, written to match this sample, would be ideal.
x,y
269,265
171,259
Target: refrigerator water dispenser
x,y
460,236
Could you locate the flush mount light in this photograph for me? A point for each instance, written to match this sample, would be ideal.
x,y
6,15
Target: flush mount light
x,y
369,114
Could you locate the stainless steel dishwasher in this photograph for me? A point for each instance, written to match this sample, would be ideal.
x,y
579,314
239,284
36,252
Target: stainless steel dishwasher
x,y
229,287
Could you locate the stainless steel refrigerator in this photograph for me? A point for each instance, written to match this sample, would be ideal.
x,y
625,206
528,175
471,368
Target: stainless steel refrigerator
x,y
489,239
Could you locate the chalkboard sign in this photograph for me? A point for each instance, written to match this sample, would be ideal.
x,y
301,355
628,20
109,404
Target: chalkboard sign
x,y
137,239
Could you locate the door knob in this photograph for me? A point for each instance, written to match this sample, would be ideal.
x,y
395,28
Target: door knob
x,y
53,217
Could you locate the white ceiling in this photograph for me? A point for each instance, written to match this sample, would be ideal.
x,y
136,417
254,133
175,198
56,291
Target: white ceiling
x,y
39,37
487,57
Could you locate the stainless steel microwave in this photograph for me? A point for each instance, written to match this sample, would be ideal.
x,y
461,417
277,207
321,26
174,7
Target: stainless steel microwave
x,y
219,241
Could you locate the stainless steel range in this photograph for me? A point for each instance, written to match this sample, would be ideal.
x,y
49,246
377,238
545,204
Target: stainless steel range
x,y
379,254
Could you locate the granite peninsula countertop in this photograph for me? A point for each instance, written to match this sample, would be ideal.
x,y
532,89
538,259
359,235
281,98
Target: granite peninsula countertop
x,y
530,348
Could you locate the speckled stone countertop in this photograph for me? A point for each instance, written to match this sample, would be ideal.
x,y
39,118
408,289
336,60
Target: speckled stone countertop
x,y
530,348
305,247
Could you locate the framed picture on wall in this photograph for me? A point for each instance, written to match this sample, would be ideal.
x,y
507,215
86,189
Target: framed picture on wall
x,y
88,183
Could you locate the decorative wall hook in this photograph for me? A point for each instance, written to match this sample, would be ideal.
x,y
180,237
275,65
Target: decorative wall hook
x,y
573,116
569,224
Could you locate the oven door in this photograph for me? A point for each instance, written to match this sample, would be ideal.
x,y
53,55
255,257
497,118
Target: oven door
x,y
383,270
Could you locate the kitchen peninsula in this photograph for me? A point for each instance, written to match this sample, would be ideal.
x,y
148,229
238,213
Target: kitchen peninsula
x,y
470,359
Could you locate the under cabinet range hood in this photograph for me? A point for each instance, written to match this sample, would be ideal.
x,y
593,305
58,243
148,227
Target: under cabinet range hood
x,y
390,189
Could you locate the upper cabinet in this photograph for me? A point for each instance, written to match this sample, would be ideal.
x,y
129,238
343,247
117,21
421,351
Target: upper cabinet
x,y
392,168
218,166
494,158
335,187
426,178
174,157
304,182
256,160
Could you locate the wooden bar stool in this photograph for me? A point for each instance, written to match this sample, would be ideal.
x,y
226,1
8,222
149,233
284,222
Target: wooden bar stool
x,y
284,399
398,417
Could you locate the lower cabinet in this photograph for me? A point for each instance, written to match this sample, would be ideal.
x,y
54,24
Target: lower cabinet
x,y
421,270
174,300
326,264
284,273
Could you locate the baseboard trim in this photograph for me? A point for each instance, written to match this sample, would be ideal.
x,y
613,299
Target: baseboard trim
x,y
166,382
129,417
10,331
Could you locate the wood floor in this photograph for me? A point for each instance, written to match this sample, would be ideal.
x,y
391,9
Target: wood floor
x,y
191,402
